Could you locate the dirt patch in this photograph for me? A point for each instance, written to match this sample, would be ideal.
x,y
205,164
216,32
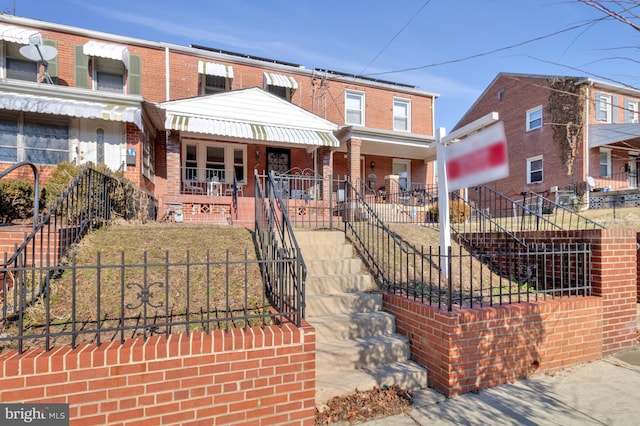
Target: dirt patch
x,y
361,406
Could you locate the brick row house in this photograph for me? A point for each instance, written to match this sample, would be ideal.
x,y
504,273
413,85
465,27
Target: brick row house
x,y
191,124
572,139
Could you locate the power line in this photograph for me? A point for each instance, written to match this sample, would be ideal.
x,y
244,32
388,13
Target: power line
x,y
395,36
490,52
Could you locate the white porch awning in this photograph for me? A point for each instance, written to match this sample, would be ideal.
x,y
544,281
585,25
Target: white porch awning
x,y
606,134
255,131
106,50
19,35
71,108
215,69
273,79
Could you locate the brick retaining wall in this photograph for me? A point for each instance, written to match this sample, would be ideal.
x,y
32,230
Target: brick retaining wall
x,y
259,376
470,349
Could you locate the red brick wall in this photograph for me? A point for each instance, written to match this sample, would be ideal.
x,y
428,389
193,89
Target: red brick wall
x,y
638,272
471,349
258,376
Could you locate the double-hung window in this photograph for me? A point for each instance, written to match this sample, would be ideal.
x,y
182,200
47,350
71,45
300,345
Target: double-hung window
x,y
605,162
535,169
603,107
402,114
534,118
106,67
18,67
354,108
631,111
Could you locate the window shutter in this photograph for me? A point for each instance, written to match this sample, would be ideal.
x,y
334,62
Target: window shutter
x,y
627,113
614,109
135,75
52,69
82,68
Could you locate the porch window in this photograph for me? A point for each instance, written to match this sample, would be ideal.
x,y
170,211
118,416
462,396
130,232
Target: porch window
x,y
535,169
605,162
34,138
204,161
402,168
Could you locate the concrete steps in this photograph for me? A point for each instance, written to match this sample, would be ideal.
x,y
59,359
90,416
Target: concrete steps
x,y
356,343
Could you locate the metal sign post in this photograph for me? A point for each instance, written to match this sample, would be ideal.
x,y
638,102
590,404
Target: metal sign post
x,y
443,185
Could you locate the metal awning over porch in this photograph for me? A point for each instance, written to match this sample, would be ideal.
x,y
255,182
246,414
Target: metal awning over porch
x,y
607,134
250,114
71,108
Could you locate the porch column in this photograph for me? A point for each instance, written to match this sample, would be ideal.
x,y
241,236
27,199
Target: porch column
x,y
353,160
173,162
326,156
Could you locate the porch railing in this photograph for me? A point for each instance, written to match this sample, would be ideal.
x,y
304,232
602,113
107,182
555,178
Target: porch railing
x,y
616,182
209,182
525,273
283,269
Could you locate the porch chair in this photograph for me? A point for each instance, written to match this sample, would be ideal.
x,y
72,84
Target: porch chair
x,y
229,189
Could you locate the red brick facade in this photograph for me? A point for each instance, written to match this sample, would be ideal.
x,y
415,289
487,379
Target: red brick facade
x,y
470,349
253,376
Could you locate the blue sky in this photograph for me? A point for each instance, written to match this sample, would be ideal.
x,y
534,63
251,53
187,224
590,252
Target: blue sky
x,y
440,46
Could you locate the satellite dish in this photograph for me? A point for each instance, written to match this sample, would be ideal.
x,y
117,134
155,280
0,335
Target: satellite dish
x,y
39,52
591,182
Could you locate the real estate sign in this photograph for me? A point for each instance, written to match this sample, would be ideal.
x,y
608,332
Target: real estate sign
x,y
477,159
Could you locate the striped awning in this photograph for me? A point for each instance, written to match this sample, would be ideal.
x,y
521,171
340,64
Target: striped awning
x,y
272,79
71,108
215,69
254,131
19,35
106,50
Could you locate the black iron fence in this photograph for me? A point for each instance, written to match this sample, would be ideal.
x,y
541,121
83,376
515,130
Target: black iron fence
x,y
91,200
283,270
510,274
94,302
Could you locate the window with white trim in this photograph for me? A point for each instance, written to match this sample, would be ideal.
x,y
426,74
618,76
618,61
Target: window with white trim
x,y
631,112
605,162
354,108
207,161
402,168
535,169
108,75
148,154
603,107
36,138
534,118
402,114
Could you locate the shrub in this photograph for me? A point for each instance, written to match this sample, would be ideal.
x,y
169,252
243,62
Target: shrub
x,y
458,212
59,181
16,200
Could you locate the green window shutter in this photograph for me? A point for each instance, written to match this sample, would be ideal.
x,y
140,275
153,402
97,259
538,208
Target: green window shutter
x,y
135,75
52,69
82,67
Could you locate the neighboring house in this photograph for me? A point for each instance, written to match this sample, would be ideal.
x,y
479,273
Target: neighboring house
x,y
185,122
568,137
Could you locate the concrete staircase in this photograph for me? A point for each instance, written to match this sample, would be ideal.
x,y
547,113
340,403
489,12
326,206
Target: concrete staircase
x,y
356,347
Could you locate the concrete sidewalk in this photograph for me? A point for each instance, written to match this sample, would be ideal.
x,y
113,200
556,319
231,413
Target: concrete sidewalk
x,y
603,392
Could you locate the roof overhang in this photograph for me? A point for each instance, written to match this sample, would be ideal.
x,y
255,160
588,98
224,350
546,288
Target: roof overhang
x,y
609,134
390,143
250,114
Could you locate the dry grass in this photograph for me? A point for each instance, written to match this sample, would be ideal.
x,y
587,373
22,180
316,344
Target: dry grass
x,y
199,283
626,218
